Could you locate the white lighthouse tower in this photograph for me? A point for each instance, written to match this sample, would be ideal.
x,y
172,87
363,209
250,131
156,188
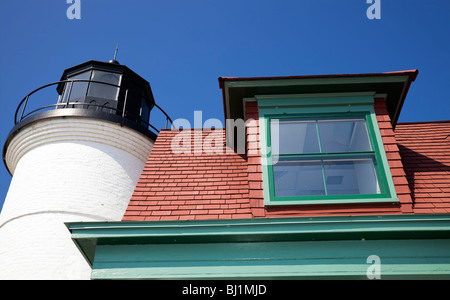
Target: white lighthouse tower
x,y
76,160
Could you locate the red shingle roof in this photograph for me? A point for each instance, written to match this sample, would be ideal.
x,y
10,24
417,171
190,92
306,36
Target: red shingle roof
x,y
214,182
208,183
425,152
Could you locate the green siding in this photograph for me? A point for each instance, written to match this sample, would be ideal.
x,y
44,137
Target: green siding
x,y
274,260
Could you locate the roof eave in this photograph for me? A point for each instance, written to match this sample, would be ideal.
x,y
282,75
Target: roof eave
x,y
403,78
87,235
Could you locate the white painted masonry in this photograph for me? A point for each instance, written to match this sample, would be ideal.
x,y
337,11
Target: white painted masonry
x,y
64,170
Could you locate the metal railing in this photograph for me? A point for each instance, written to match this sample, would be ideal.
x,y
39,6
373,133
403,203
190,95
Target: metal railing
x,y
66,104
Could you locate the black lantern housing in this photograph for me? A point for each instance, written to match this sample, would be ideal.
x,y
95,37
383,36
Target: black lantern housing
x,y
106,87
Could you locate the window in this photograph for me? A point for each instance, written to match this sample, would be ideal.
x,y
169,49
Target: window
x,y
322,156
322,149
106,91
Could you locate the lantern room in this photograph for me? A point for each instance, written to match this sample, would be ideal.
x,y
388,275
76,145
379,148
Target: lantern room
x,y
106,87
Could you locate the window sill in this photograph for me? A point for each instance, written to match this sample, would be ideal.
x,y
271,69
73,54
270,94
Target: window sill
x,y
330,201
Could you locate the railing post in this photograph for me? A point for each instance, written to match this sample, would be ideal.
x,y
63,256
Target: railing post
x,y
23,109
68,96
124,104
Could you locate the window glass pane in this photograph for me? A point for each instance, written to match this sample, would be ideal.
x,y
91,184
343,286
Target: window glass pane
x,y
293,136
103,90
343,135
298,178
79,88
347,177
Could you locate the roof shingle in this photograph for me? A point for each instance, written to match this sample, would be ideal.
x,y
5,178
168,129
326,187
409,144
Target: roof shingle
x,y
425,152
210,182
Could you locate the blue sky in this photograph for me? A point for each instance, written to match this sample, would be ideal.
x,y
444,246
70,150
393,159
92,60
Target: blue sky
x,y
181,47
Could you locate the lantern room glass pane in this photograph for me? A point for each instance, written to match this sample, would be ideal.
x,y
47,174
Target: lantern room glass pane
x,y
145,112
78,89
101,90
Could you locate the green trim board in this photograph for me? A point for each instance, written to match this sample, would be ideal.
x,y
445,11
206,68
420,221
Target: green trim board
x,y
323,106
402,259
316,99
409,246
275,82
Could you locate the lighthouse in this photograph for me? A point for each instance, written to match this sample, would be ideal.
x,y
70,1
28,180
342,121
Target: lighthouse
x,y
77,157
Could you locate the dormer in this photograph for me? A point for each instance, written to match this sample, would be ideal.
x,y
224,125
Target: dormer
x,y
321,141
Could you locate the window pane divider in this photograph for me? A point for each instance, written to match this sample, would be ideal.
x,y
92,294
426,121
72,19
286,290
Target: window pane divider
x,y
323,177
325,155
318,137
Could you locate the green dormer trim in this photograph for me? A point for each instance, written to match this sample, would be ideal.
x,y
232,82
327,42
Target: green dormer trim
x,y
394,85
